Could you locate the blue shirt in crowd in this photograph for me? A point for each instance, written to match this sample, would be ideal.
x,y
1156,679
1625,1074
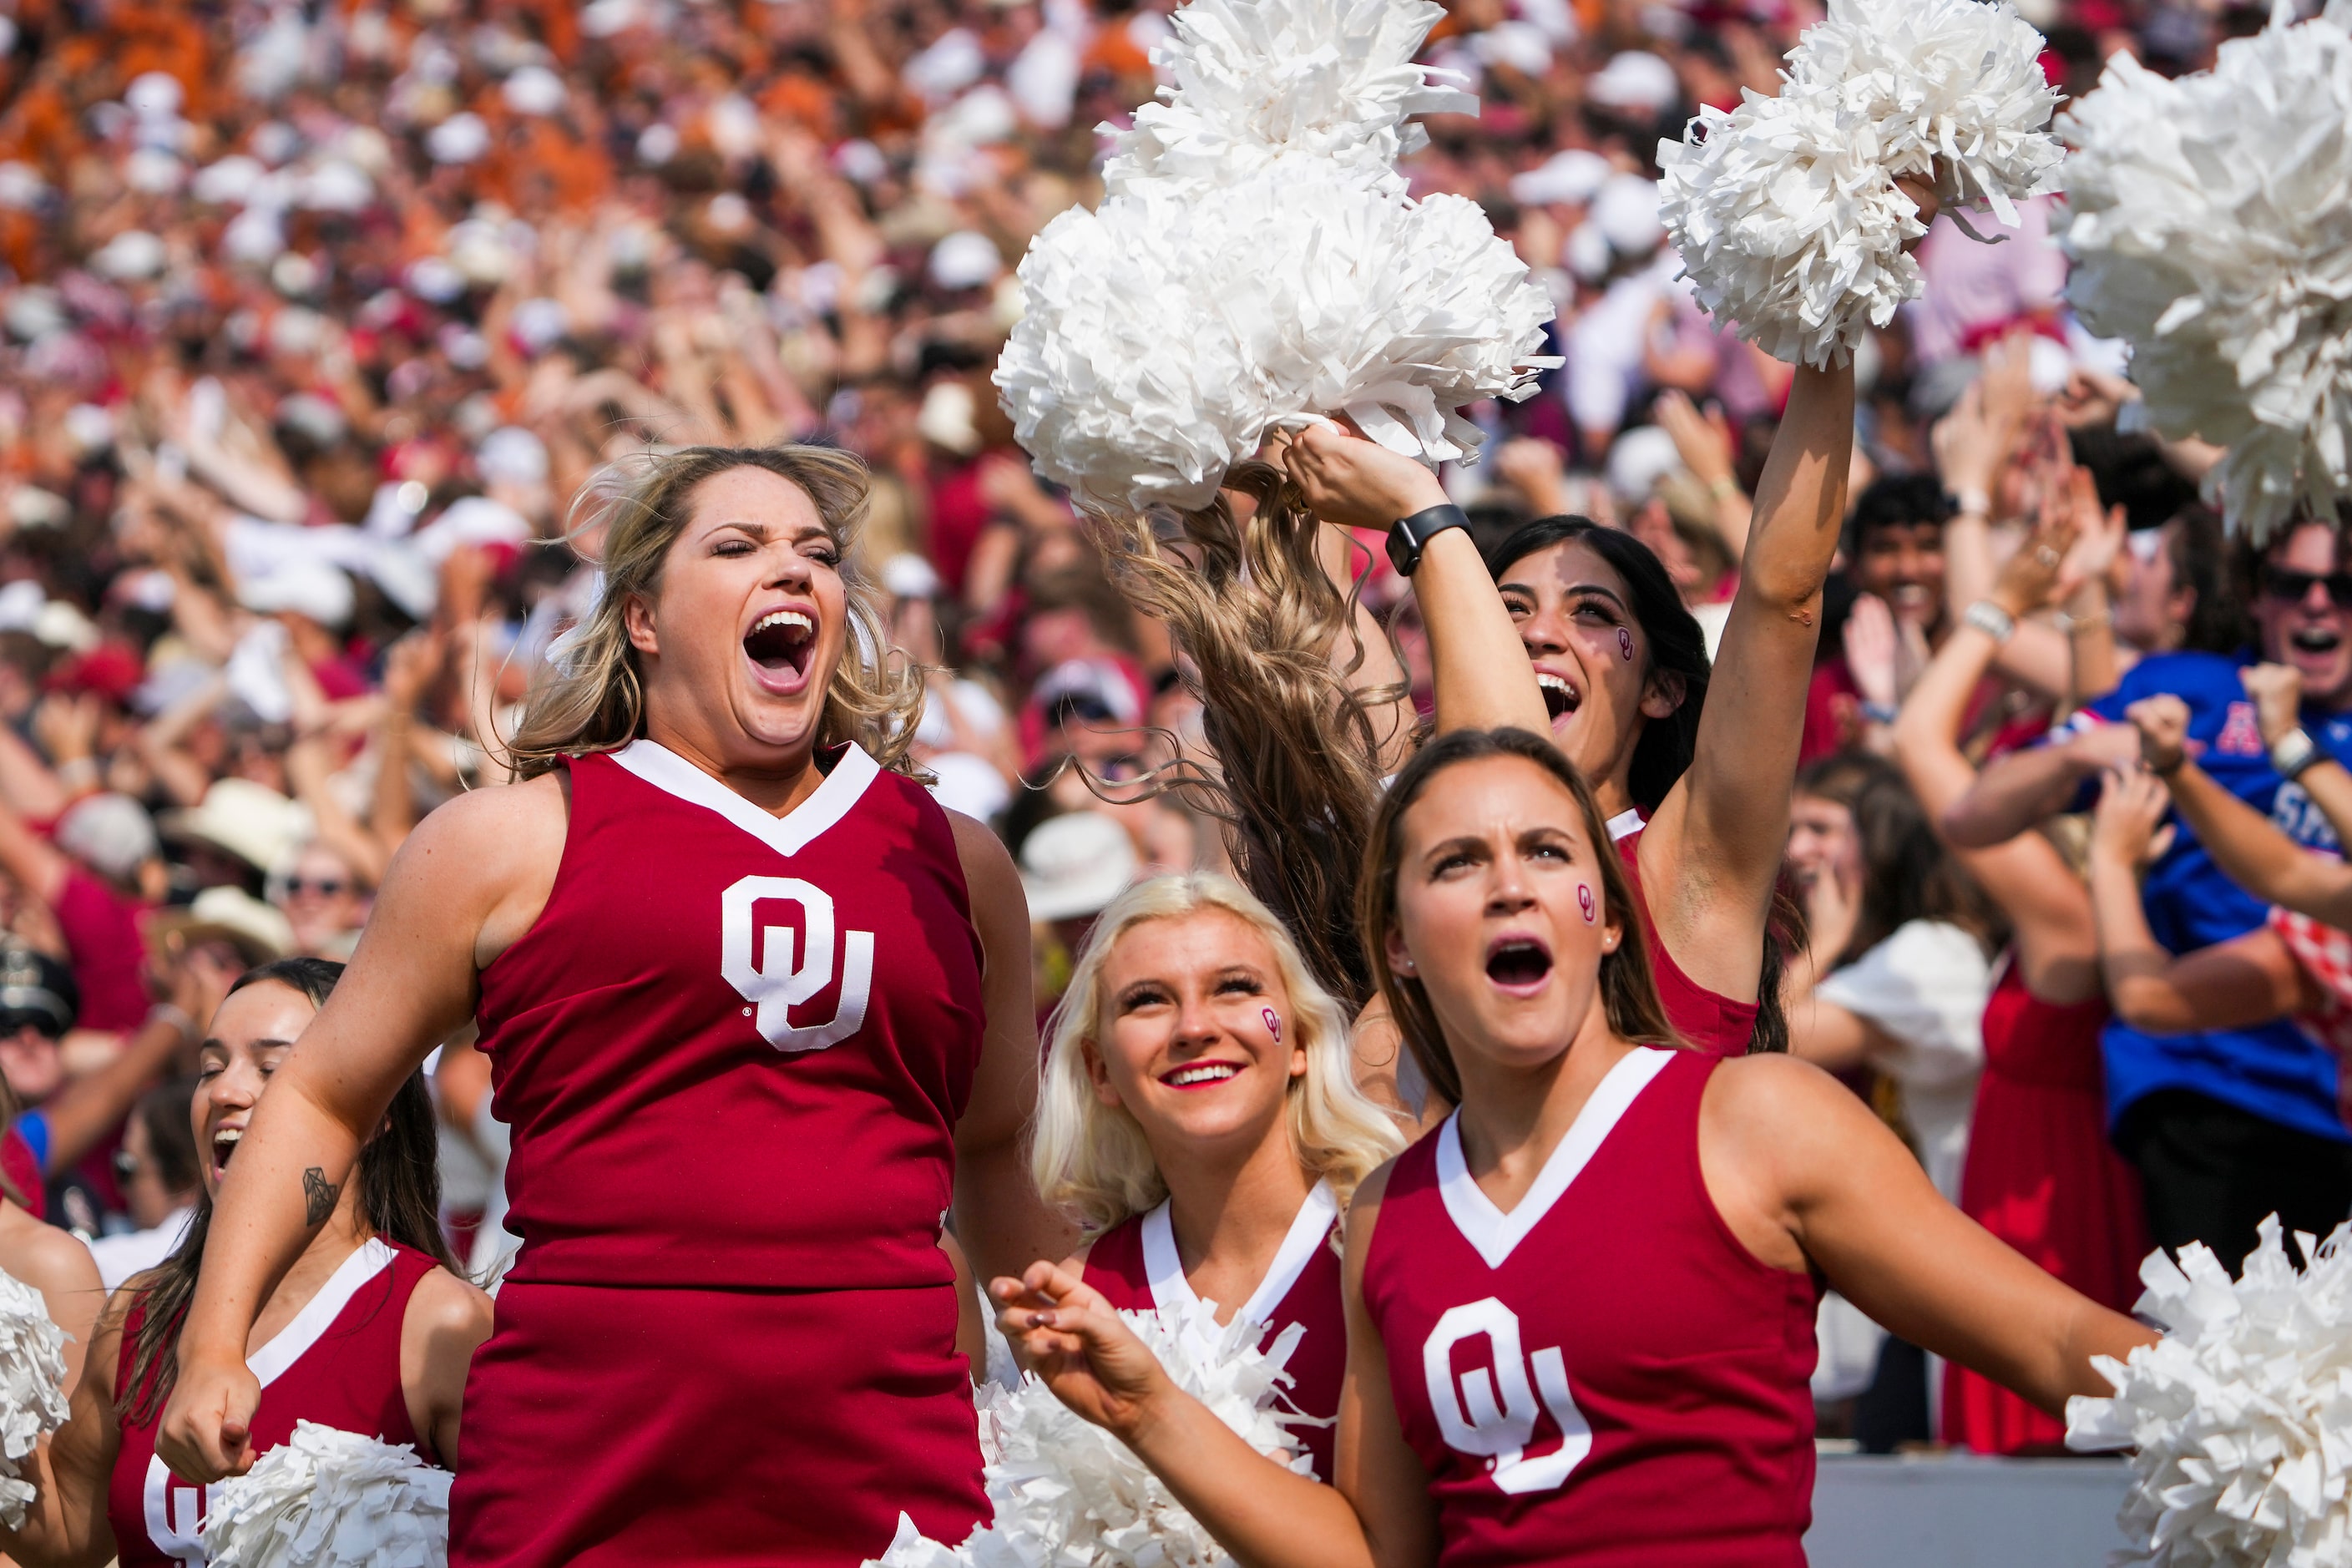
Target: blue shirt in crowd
x,y
2275,1071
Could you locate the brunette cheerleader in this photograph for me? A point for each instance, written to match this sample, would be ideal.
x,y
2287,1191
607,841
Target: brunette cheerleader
x,y
1201,1119
371,1331
1581,1313
758,1015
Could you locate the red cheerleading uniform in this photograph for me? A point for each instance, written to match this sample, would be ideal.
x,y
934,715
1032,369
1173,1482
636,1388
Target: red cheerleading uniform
x,y
2043,1177
336,1364
1604,1376
732,1050
1135,1266
1707,1019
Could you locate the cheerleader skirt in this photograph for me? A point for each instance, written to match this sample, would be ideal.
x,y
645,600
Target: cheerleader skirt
x,y
713,1428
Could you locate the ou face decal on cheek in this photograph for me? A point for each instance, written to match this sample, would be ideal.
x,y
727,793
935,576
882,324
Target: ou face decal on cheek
x,y
1273,1024
1584,902
1625,644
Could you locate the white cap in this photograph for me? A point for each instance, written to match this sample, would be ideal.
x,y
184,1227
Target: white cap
x,y
1636,80
1573,177
512,455
1626,213
311,589
533,90
460,139
1075,865
909,576
945,420
132,255
1638,459
965,260
111,833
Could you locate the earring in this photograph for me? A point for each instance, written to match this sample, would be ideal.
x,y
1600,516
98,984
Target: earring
x,y
1407,966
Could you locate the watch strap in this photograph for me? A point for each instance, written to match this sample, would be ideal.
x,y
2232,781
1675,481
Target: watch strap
x,y
2294,752
1408,535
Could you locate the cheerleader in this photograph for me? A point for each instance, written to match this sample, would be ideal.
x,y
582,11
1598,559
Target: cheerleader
x,y
370,1331
1200,1119
1581,1313
758,1017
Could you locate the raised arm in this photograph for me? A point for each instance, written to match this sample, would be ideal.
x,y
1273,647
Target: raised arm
x,y
2057,943
2247,980
469,880
1481,673
1722,827
2245,844
1378,1516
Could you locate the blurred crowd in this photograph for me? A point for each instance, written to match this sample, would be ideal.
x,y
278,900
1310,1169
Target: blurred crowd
x,y
317,316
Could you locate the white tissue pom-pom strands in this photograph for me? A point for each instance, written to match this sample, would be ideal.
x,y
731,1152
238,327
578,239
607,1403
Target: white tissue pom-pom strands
x,y
1167,333
1069,1494
1252,81
1258,266
1786,211
2241,1415
32,1389
329,1499
2210,220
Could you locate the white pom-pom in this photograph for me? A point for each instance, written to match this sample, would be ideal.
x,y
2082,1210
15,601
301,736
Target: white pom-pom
x,y
2241,1413
327,1498
1069,1494
32,1389
1167,332
1786,211
2210,219
1253,80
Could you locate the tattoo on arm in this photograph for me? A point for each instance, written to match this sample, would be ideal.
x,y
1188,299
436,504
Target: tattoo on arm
x,y
319,1193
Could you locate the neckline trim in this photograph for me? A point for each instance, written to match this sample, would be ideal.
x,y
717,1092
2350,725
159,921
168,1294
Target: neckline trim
x,y
787,835
1170,1291
287,1345
1494,1235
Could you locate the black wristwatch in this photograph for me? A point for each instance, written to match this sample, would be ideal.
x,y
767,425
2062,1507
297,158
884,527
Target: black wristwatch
x,y
1408,535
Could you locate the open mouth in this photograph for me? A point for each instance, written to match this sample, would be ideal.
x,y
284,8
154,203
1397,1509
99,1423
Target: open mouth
x,y
2315,641
1200,1075
1559,697
780,642
224,1142
1519,964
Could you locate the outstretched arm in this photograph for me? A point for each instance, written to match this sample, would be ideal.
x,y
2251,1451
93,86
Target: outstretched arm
x,y
1807,1174
468,881
2243,843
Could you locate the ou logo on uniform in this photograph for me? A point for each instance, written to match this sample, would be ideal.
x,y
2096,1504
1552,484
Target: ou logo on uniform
x,y
775,974
1493,1417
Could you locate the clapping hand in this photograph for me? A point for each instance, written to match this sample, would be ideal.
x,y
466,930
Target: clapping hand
x,y
1062,1329
2277,693
2125,825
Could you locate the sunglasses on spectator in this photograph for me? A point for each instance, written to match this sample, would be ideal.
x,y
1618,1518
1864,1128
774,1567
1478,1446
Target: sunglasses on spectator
x,y
2285,584
126,1165
325,887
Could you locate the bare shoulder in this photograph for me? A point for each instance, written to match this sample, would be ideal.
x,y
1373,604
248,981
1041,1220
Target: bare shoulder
x,y
988,869
446,1305
46,1257
1772,1093
1364,1205
496,826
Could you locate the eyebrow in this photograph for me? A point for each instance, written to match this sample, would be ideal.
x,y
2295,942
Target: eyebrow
x,y
1573,588
757,530
1459,841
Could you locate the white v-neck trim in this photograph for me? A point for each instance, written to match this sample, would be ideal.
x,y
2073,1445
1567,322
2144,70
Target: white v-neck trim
x,y
787,835
1170,1291
1626,821
1490,1232
287,1346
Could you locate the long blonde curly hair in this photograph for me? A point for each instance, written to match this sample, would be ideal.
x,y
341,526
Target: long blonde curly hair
x,y
590,696
1091,1160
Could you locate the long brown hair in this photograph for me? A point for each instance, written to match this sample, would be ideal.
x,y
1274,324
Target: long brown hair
x,y
1907,874
1629,997
399,1196
592,695
1297,750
